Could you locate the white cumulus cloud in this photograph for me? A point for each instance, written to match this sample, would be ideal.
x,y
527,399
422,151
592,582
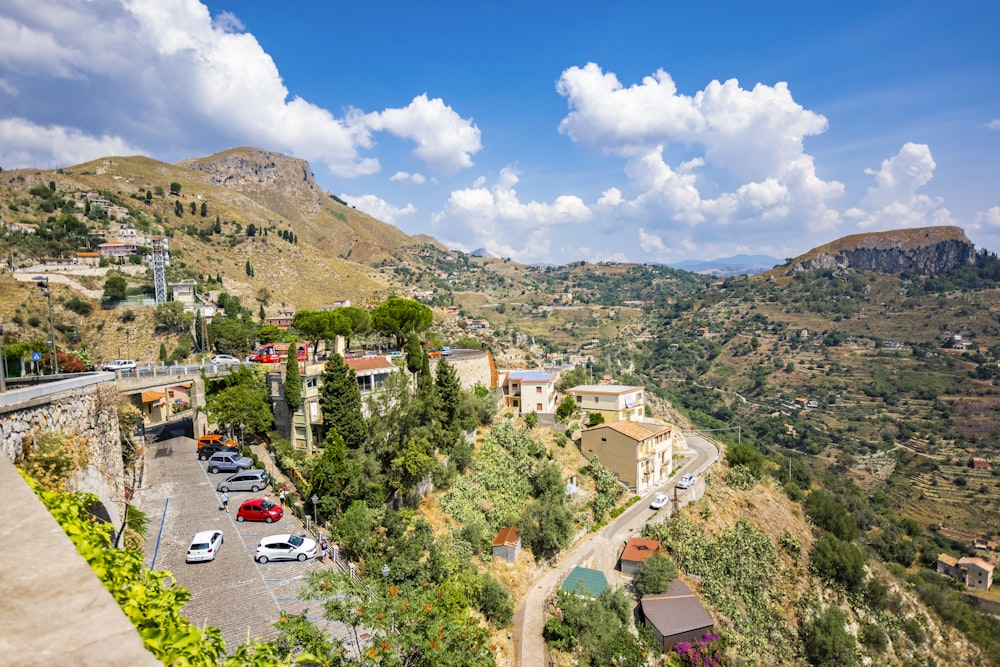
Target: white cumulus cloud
x,y
25,143
496,219
378,208
894,200
406,177
445,140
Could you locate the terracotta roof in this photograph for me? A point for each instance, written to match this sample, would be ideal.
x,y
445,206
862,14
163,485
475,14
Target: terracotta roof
x,y
676,611
947,560
635,430
638,549
370,364
507,537
979,562
151,395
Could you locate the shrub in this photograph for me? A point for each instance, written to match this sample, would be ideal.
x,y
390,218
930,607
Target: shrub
x,y
79,306
827,641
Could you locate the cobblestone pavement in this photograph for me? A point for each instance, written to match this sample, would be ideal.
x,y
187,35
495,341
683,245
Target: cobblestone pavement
x,y
240,596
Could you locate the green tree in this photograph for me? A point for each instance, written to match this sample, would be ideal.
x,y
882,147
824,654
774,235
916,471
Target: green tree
x,y
293,384
175,188
178,209
835,560
414,354
653,575
194,208
170,316
204,210
249,269
340,402
449,391
827,641
546,524
413,625
232,335
595,418
566,408
243,400
400,317
336,478
115,287
317,325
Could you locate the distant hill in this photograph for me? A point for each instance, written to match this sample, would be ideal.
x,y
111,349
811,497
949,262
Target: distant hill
x,y
736,265
926,251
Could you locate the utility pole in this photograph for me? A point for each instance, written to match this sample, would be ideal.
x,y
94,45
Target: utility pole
x,y
43,284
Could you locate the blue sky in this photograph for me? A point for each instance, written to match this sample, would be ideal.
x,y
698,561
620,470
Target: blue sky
x,y
544,132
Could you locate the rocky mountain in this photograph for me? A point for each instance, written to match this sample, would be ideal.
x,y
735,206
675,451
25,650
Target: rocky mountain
x,y
926,251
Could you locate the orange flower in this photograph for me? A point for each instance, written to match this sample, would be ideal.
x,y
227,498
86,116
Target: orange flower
x,y
433,644
440,634
392,590
427,607
371,652
492,647
385,646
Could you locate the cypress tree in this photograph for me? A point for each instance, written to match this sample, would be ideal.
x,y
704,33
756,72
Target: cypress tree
x,y
340,402
293,380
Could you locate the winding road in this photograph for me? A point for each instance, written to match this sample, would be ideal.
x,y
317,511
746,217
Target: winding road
x,y
600,551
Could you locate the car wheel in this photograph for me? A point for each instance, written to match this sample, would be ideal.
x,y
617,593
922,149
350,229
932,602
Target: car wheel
x,y
255,488
239,517
261,559
224,489
213,469
302,557
268,520
202,458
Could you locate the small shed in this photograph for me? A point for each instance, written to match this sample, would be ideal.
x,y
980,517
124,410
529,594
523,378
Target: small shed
x,y
585,582
507,544
676,616
636,550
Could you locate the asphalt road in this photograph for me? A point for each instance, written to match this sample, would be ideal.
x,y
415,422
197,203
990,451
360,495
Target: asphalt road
x,y
233,592
599,551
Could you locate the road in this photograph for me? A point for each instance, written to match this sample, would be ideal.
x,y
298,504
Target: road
x,y
599,551
233,592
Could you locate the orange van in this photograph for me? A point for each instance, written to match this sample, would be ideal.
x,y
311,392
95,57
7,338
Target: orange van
x,y
215,438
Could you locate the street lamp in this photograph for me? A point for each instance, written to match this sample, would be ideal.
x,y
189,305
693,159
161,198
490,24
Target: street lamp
x,y
315,500
242,437
43,285
128,337
385,571
3,363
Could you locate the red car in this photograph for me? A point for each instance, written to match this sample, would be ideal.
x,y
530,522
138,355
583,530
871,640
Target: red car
x,y
258,509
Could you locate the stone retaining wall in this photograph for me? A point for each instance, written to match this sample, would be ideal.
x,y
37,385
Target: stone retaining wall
x,y
83,406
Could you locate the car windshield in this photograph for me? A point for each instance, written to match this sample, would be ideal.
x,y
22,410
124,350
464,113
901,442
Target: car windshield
x,y
199,546
266,505
295,540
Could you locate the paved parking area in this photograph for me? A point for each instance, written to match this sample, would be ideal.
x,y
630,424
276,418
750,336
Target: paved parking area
x,y
240,596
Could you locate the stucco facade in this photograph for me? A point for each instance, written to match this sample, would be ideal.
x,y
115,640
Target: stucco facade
x,y
640,454
615,402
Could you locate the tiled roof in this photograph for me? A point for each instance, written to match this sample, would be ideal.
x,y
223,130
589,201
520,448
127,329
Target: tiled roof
x,y
151,395
947,560
635,430
979,562
370,364
506,537
638,549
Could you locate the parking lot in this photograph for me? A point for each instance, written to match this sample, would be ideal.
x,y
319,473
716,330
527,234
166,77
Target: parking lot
x,y
233,592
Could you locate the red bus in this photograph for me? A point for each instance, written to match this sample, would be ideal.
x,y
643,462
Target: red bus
x,y
275,353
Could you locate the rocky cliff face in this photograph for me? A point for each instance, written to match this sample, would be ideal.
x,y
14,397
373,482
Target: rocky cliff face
x,y
927,251
254,170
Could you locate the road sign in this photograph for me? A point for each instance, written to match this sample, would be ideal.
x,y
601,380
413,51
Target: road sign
x,y
36,356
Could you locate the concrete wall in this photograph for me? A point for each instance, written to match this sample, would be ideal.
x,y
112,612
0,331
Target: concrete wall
x,y
84,406
472,368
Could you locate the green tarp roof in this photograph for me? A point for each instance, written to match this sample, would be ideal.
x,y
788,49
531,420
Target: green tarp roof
x,y
585,581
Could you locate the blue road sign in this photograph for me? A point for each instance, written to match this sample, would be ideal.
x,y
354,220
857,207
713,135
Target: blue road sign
x,y
36,356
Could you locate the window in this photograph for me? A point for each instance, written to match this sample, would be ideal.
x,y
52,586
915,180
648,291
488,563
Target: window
x,y
538,407
538,390
596,399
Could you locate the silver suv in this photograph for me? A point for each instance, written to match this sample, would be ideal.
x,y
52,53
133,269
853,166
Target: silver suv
x,y
228,462
247,480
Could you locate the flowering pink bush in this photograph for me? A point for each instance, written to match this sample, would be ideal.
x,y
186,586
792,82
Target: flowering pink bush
x,y
706,652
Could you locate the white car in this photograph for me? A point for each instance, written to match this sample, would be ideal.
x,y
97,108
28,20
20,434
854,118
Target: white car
x,y
285,547
204,546
224,359
660,501
119,365
686,482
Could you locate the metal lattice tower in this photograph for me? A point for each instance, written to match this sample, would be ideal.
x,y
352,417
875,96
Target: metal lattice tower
x,y
160,261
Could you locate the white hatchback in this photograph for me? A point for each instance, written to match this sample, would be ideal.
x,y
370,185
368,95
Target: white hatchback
x,y
204,546
285,547
686,482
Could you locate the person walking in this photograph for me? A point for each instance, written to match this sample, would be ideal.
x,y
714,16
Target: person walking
x,y
281,497
322,550
225,502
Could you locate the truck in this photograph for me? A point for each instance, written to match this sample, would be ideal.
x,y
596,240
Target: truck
x,y
275,353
